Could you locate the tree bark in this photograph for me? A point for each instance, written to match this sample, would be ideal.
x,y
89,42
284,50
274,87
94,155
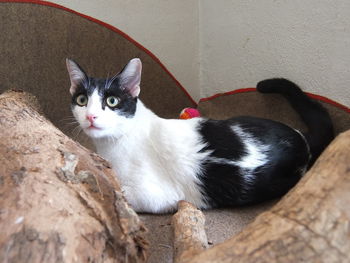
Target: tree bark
x,y
59,202
189,234
310,224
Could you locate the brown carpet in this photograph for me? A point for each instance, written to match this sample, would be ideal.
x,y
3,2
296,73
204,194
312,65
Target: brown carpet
x,y
220,225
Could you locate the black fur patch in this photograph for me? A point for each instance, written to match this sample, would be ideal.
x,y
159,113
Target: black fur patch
x,y
106,88
221,139
320,128
126,105
226,184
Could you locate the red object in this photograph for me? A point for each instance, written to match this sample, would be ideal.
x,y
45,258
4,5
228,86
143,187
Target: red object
x,y
189,113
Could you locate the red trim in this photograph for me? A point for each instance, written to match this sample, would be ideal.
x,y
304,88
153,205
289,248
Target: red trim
x,y
112,28
329,101
312,95
116,30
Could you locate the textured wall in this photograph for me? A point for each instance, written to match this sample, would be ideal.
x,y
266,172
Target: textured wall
x,y
242,42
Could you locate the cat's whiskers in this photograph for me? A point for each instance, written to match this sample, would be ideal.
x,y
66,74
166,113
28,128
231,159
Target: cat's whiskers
x,y
76,132
67,123
70,118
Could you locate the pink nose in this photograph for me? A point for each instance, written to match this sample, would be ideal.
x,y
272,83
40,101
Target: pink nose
x,y
91,117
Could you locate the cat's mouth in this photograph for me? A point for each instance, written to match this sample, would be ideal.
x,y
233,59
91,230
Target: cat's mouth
x,y
93,127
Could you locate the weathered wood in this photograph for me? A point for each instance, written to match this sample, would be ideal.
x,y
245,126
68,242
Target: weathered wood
x,y
310,224
58,201
189,234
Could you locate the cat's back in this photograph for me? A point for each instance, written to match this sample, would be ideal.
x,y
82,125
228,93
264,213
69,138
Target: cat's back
x,y
232,132
231,138
178,138
249,155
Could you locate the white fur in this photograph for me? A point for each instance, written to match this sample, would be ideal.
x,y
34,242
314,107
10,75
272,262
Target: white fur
x,y
256,153
156,160
106,122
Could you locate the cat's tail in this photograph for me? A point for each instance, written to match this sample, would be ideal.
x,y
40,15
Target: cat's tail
x,y
320,128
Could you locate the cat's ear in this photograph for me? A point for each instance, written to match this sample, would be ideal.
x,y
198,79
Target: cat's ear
x,y
76,75
130,77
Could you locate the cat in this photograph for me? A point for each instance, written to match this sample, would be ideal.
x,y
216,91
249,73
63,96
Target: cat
x,y
210,163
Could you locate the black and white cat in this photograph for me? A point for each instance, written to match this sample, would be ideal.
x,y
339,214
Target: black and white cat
x,y
210,163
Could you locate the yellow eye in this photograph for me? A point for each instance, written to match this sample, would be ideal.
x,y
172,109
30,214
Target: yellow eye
x,y
82,100
112,101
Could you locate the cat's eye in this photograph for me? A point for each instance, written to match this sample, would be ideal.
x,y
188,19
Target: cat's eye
x,y
82,100
112,101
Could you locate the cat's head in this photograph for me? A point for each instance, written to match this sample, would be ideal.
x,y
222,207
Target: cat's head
x,y
103,107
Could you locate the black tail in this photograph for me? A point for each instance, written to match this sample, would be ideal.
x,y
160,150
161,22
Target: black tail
x,y
320,129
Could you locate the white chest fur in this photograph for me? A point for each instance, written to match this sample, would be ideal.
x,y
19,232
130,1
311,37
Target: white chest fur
x,y
157,161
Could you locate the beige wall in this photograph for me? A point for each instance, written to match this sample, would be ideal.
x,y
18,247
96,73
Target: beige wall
x,y
217,46
242,42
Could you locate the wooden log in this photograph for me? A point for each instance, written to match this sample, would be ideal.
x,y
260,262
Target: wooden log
x,y
310,224
189,233
59,202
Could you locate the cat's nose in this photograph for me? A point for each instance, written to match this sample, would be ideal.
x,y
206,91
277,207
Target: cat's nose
x,y
91,117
